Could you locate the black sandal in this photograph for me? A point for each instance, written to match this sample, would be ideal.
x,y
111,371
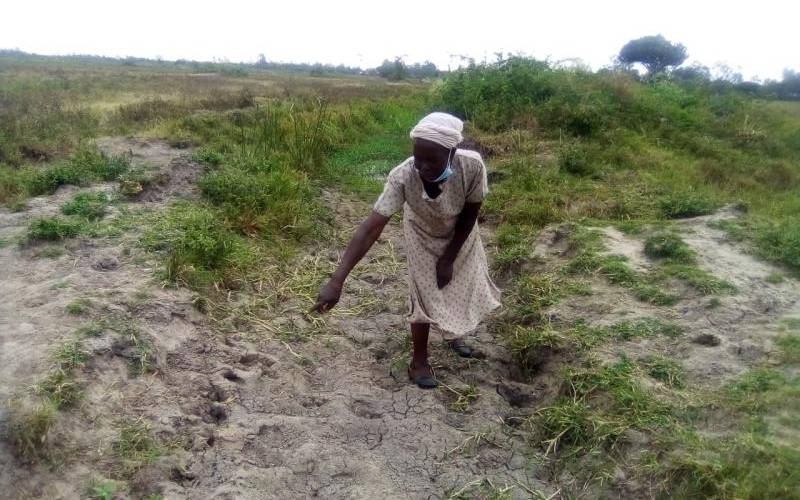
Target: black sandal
x,y
423,381
461,348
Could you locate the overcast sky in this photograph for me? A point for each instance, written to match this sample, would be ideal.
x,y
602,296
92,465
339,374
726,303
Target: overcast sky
x,y
758,38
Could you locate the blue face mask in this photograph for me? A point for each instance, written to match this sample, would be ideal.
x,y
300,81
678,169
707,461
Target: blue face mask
x,y
447,172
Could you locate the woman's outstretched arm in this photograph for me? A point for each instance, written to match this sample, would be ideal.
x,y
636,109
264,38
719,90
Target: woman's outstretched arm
x,y
362,240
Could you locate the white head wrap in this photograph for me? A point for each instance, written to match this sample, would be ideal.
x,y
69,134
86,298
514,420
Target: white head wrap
x,y
440,128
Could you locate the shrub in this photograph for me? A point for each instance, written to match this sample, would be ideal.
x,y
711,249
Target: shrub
x,y
576,160
679,205
781,242
91,206
29,429
52,229
668,246
269,201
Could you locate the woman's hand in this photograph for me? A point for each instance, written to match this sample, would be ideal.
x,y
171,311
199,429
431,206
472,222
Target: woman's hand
x,y
328,296
444,272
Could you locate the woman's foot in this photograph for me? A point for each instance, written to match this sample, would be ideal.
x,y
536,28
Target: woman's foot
x,y
460,347
422,375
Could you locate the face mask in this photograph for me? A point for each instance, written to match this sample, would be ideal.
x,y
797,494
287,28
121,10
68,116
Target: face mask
x,y
447,172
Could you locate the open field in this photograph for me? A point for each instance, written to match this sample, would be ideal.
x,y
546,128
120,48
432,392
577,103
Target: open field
x,y
164,231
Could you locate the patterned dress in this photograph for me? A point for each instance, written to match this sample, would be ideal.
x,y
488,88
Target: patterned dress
x,y
429,226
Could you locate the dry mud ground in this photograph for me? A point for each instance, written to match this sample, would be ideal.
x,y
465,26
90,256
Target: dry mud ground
x,y
244,408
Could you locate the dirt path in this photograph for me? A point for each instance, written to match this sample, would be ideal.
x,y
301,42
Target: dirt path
x,y
246,413
272,403
106,276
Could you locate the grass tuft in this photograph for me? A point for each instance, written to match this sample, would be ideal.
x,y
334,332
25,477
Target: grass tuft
x,y
91,206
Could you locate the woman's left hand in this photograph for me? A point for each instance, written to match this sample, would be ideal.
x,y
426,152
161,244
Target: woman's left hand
x,y
444,272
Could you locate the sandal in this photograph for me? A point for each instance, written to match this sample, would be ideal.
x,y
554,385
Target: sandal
x,y
423,381
460,347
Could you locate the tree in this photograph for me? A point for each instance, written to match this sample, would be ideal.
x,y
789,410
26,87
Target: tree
x,y
656,53
393,71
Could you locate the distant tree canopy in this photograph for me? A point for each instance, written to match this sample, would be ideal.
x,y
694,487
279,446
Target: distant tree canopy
x,y
789,88
656,53
399,70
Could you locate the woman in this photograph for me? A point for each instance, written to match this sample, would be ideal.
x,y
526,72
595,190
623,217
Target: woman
x,y
440,189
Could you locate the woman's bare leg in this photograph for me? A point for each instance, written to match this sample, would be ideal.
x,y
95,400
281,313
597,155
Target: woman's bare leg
x,y
419,357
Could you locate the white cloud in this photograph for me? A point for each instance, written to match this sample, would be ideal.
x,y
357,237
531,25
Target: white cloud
x,y
760,38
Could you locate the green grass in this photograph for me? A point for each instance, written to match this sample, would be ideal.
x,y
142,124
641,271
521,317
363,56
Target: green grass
x,y
601,403
84,166
102,489
90,206
200,248
29,430
135,347
134,447
664,370
700,280
52,229
668,246
78,306
60,386
628,151
680,205
93,329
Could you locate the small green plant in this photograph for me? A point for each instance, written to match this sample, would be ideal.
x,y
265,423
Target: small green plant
x,y
664,370
52,229
575,160
93,329
668,246
789,345
686,204
702,281
79,306
60,388
134,446
90,206
102,489
70,355
29,428
774,278
464,397
207,156
644,328
137,349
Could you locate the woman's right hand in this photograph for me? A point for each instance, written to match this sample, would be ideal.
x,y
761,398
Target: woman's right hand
x,y
328,296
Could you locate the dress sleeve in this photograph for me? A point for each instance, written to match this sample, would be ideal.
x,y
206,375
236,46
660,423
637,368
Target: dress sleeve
x,y
392,198
478,185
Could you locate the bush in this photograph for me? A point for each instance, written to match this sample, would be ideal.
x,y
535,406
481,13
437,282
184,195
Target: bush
x,y
688,204
576,160
84,166
668,246
52,229
275,199
91,206
781,242
199,245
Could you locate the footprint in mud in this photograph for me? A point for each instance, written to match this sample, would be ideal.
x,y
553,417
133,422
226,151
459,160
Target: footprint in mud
x,y
516,394
217,413
231,375
707,339
365,408
249,359
217,394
